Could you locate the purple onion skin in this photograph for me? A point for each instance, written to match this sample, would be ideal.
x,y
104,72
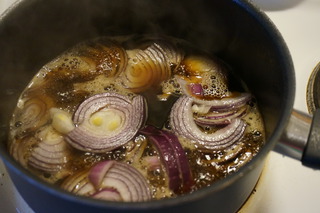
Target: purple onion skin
x,y
184,167
182,123
49,156
98,172
173,157
134,113
196,89
125,179
220,119
226,104
169,160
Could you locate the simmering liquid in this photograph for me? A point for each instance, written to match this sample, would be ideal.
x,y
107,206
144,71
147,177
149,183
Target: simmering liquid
x,y
159,69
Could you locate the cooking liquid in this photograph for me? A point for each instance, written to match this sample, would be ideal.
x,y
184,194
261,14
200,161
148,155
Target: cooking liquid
x,y
84,71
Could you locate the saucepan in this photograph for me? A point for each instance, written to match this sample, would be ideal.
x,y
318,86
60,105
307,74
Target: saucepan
x,y
32,32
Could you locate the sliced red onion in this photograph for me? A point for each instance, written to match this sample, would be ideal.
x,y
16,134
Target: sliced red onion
x,y
51,153
79,184
99,135
229,154
18,149
172,54
128,181
225,104
164,70
203,106
196,89
183,163
109,180
182,122
98,172
151,65
84,188
219,118
191,89
110,194
34,112
169,160
173,157
145,68
168,48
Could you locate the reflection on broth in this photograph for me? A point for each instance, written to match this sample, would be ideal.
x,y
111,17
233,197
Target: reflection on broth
x,y
133,119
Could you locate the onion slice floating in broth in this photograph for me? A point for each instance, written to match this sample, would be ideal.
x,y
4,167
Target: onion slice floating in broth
x,y
150,66
182,122
98,172
79,184
219,118
196,89
125,179
109,180
108,194
173,157
32,113
224,104
51,153
18,149
106,121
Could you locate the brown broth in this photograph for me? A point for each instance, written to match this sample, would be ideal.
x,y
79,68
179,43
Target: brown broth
x,y
91,68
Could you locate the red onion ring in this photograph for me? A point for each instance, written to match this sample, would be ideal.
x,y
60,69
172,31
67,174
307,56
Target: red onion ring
x,y
173,157
78,183
150,66
182,122
109,180
85,137
110,194
225,104
18,149
34,112
51,153
128,181
172,54
219,118
98,172
196,89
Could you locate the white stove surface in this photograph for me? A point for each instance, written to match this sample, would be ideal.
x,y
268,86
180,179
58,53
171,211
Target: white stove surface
x,y
286,185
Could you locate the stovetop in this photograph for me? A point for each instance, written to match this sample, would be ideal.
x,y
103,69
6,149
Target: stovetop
x,y
285,185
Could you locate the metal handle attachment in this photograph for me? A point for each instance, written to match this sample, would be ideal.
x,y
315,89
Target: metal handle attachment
x,y
301,138
295,136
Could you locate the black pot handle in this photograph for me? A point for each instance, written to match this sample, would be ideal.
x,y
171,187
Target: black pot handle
x,y
301,138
